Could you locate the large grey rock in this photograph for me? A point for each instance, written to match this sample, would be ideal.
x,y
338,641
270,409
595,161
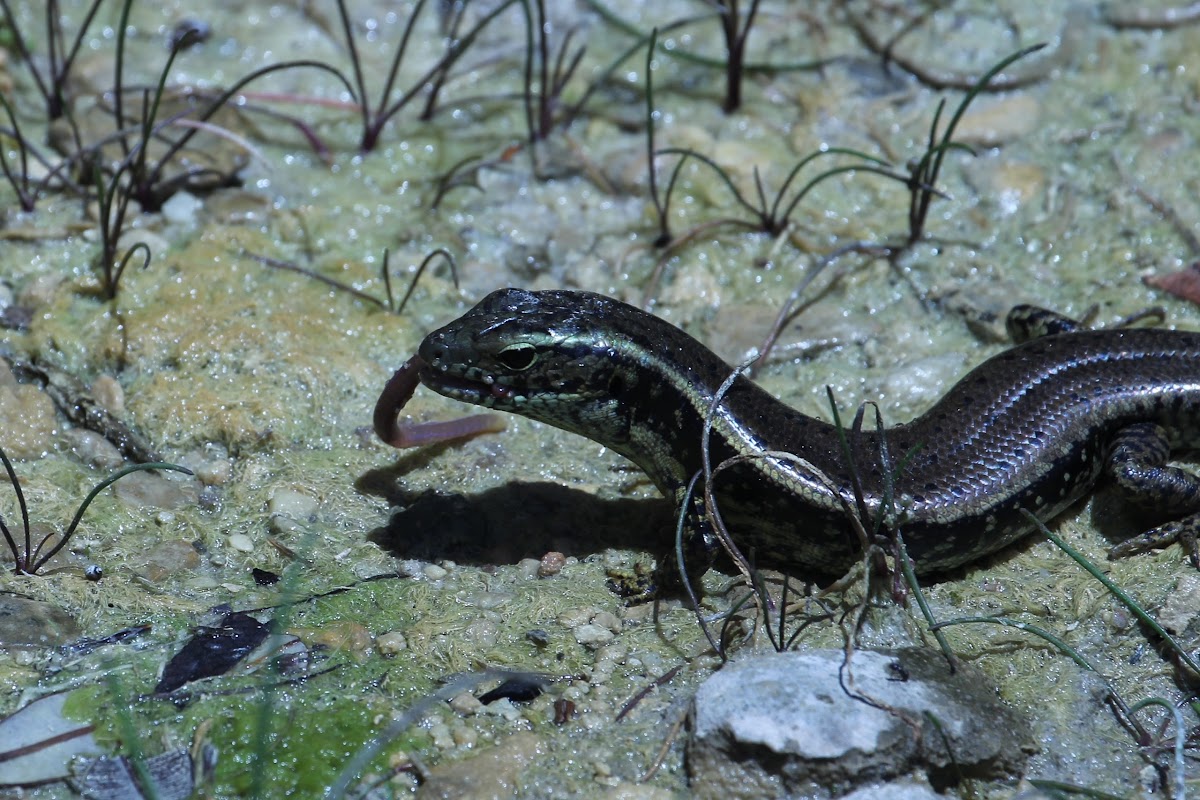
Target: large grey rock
x,y
26,623
785,725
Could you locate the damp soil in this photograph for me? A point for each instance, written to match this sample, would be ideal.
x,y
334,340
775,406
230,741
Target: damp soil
x,y
400,569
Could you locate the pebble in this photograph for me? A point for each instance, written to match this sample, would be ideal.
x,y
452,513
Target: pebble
x,y
281,524
551,564
991,122
27,417
440,733
494,772
170,558
156,491
1181,611
489,601
241,542
529,568
347,636
209,499
391,643
34,623
434,573
609,620
108,393
593,636
1015,184
465,704
93,449
291,503
482,633
770,726
215,472
502,708
181,208
41,291
574,617
465,736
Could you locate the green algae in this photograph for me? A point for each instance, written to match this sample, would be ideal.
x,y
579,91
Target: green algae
x,y
222,357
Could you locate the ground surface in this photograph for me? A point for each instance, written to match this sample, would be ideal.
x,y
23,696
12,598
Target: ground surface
x,y
1084,181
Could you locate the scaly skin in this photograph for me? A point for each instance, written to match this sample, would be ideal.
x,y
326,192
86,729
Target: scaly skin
x,y
1033,427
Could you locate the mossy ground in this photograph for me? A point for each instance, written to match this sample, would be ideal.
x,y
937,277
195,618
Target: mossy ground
x,y
272,375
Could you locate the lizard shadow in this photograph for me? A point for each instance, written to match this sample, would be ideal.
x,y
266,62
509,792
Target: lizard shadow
x,y
517,520
1117,519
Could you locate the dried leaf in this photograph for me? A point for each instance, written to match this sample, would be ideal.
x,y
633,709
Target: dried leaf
x,y
39,743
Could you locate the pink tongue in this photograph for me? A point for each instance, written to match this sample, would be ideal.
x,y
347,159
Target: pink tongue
x,y
396,393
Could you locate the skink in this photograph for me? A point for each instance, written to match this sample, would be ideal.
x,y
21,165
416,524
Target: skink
x,y
1031,428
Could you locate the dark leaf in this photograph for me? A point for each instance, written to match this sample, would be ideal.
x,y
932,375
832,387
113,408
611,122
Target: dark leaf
x,y
519,690
213,651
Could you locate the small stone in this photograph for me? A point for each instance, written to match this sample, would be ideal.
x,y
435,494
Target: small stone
x,y
551,564
32,623
489,601
216,472
93,449
209,498
391,643
482,633
777,725
1181,612
156,491
181,208
440,733
434,572
347,636
465,704
42,290
528,567
108,393
1015,184
574,617
538,637
495,772
28,420
613,652
503,708
609,620
291,503
593,636
282,525
170,558
241,542
991,122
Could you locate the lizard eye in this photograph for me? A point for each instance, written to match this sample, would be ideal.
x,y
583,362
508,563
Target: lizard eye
x,y
517,356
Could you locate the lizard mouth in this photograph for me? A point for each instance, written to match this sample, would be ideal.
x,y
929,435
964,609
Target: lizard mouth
x,y
481,390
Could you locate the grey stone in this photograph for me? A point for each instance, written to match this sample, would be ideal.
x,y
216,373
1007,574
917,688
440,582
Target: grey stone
x,y
31,623
783,725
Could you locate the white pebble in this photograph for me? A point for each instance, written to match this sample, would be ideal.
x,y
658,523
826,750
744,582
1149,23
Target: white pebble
x,y
292,503
593,636
390,643
242,542
181,208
